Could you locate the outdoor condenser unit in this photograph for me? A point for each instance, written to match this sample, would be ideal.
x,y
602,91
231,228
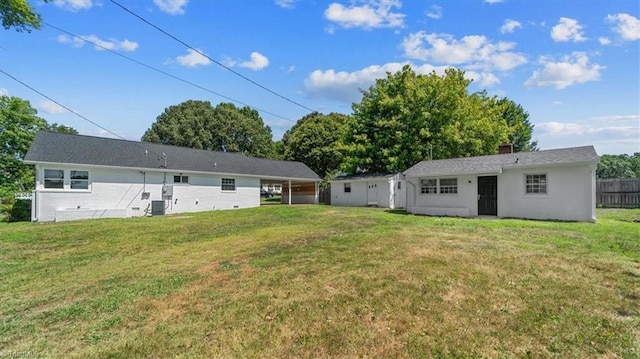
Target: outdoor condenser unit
x,y
157,208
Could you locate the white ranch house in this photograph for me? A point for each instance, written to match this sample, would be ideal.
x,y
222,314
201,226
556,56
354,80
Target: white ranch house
x,y
79,177
555,184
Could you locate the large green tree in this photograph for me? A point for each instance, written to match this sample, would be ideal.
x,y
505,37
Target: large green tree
x,y
520,129
314,140
619,166
407,117
19,15
197,124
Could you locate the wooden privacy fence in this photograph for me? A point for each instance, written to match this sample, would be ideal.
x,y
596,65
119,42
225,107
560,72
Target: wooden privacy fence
x,y
618,192
325,195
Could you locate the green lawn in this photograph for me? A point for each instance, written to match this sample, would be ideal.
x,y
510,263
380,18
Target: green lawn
x,y
320,281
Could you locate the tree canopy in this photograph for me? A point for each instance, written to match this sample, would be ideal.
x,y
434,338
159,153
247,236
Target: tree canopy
x,y
619,166
19,15
197,124
520,129
406,117
314,140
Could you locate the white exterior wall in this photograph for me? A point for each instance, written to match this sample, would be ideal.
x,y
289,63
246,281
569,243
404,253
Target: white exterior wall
x,y
118,193
381,192
462,204
570,194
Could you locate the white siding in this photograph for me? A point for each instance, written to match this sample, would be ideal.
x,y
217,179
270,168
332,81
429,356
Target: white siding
x,y
570,194
357,197
381,192
119,193
464,203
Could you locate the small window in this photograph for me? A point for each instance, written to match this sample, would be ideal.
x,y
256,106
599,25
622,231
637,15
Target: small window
x,y
347,187
399,185
448,185
228,184
428,186
54,179
536,184
79,179
180,179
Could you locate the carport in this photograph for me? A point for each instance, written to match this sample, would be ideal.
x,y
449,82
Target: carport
x,y
295,190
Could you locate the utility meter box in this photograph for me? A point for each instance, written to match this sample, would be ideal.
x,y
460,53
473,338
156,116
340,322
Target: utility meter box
x,y
167,191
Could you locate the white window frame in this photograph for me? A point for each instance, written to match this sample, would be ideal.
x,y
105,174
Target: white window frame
x,y
45,178
347,187
449,189
425,189
67,181
532,185
223,184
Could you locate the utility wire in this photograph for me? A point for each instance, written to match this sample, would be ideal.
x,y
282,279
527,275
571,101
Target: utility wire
x,y
212,60
61,105
165,73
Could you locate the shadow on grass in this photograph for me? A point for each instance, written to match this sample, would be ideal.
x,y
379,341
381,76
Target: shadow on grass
x,y
397,211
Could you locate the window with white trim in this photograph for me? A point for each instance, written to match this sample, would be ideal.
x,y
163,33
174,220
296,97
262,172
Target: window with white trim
x,y
536,183
181,179
429,186
79,179
347,187
448,185
54,179
228,184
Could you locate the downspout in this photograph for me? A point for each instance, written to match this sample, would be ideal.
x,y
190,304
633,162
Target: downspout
x,y
289,192
35,203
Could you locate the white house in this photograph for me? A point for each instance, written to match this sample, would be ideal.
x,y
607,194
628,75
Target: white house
x,y
81,177
552,184
381,190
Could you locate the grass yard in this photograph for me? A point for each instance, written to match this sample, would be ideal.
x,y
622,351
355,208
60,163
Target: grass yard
x,y
320,281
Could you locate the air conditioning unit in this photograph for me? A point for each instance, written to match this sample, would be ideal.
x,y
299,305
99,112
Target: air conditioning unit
x,y
157,208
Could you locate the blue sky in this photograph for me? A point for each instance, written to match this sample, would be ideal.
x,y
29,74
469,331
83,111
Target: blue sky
x,y
573,65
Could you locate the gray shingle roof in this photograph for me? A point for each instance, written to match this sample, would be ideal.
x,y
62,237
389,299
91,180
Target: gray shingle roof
x,y
87,150
362,177
495,163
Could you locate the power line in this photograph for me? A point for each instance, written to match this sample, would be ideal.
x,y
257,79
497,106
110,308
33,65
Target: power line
x,y
165,73
212,60
61,105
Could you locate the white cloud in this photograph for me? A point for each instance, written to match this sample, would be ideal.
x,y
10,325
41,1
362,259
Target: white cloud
x,y
493,1
435,12
50,107
580,129
476,51
557,103
344,86
4,92
509,26
604,40
626,25
193,59
567,30
73,5
372,14
572,69
99,44
257,62
617,118
172,7
286,4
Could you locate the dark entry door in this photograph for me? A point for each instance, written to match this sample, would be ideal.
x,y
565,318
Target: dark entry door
x,y
488,196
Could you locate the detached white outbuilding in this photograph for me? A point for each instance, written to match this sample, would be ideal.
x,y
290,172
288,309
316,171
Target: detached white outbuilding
x,y
555,184
381,190
81,177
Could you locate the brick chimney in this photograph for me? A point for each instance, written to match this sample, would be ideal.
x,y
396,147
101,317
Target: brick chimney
x,y
505,148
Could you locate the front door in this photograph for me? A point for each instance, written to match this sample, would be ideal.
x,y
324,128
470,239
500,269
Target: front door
x,y
372,194
488,196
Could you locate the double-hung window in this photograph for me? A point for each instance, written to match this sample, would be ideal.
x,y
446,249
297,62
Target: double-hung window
x,y
347,187
536,183
228,184
79,179
429,186
54,179
448,185
180,179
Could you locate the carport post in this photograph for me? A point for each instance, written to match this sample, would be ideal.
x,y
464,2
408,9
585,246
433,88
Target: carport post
x,y
289,192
